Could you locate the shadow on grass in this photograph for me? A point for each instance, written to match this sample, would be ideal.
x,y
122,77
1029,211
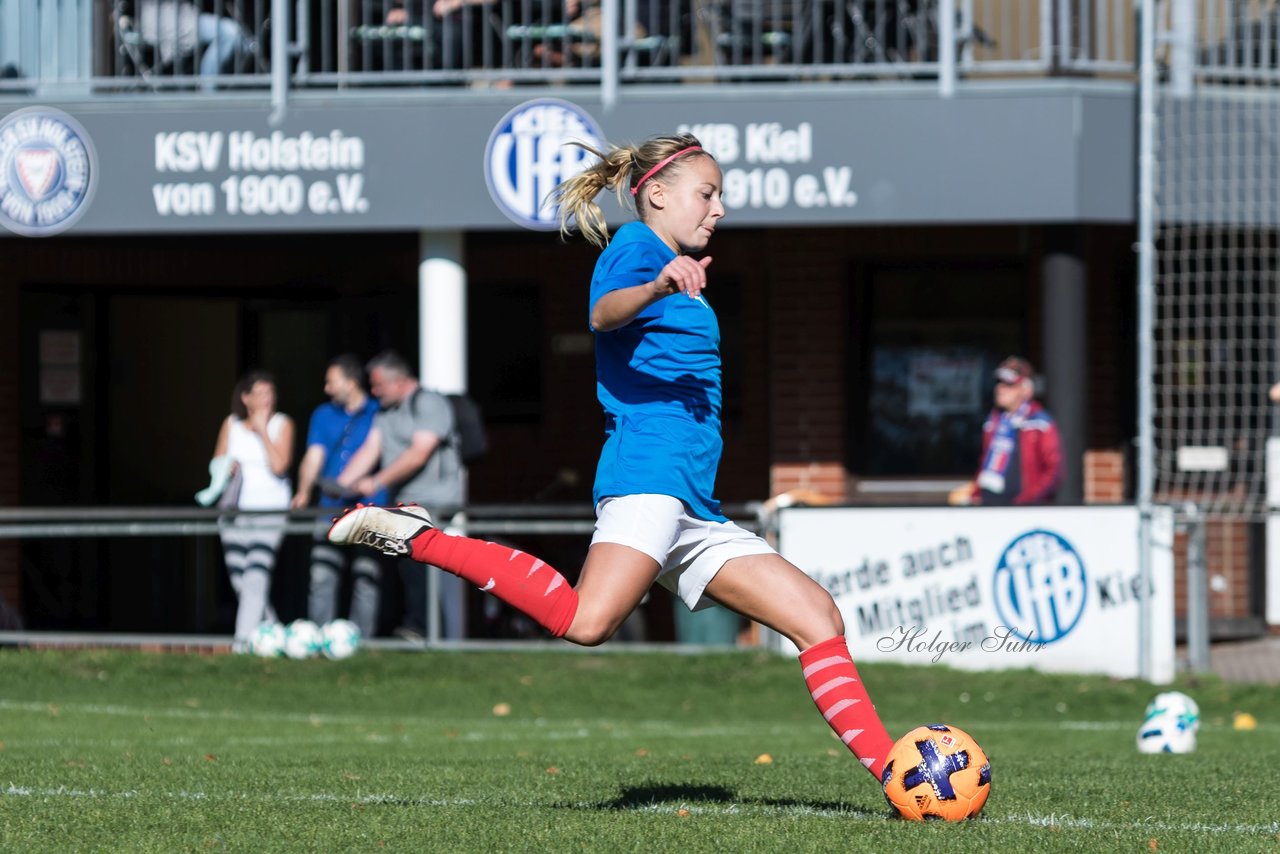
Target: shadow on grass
x,y
647,797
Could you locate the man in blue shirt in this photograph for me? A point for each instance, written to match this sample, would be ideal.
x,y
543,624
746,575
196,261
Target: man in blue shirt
x,y
337,429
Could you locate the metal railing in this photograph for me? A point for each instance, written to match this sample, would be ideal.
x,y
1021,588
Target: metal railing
x,y
478,520
107,46
496,521
102,47
1224,40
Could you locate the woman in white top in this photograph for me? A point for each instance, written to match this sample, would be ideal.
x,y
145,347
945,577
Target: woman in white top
x,y
259,442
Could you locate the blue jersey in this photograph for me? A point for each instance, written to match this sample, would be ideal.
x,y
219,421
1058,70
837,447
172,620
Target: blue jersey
x,y
658,379
341,434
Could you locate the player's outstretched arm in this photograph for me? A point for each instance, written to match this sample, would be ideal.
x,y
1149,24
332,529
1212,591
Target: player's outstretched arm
x,y
618,308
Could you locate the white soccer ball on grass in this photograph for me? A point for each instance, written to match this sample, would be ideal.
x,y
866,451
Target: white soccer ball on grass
x,y
341,639
1170,726
268,640
303,639
1179,704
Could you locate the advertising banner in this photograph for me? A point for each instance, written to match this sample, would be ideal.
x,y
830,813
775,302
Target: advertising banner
x,y
1052,589
376,163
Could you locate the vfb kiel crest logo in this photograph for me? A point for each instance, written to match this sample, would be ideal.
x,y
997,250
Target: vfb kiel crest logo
x,y
528,156
1040,587
47,171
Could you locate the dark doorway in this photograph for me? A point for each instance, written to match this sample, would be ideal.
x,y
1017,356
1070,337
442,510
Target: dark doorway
x,y
132,422
934,332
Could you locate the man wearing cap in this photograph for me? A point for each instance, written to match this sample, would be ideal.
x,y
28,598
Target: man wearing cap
x,y
1021,449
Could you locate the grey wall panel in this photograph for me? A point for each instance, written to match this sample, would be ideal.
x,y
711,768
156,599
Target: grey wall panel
x,y
1028,153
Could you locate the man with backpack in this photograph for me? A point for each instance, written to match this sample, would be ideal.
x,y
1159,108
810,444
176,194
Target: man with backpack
x,y
414,446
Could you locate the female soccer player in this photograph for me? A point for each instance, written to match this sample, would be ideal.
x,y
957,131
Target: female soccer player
x,y
658,379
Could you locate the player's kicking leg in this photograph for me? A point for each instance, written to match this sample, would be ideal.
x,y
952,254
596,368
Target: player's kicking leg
x,y
771,590
763,587
519,579
588,614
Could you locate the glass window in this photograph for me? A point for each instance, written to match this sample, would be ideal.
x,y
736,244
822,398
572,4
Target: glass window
x,y
931,336
504,344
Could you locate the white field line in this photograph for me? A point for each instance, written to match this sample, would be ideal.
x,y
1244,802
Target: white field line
x,y
55,708
574,729
1068,822
496,729
151,742
489,730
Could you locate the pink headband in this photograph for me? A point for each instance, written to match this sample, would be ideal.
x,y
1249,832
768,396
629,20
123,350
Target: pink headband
x,y
662,163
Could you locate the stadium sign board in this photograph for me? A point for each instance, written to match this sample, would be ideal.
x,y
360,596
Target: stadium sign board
x,y
1054,589
381,164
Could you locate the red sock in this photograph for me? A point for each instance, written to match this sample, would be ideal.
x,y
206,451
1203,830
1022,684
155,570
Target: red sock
x,y
519,579
840,696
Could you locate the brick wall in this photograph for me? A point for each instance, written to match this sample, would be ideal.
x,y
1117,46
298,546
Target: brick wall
x,y
1104,478
807,339
1227,562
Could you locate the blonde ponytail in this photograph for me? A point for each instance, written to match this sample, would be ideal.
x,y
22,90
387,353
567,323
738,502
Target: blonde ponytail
x,y
617,170
577,195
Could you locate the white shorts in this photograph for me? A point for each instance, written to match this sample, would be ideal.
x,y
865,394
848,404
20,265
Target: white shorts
x,y
689,550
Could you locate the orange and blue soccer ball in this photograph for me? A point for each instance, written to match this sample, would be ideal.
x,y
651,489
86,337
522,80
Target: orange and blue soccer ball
x,y
936,772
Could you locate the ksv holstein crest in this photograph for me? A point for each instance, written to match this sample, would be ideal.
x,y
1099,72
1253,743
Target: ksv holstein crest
x,y
48,170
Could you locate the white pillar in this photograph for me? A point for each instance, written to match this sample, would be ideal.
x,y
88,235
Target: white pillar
x,y
442,312
442,360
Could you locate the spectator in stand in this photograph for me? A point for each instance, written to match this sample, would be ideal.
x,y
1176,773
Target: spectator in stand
x,y
1021,450
178,28
453,33
337,430
258,441
414,439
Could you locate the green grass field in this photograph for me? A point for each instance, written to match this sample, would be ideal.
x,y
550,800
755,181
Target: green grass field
x,y
111,750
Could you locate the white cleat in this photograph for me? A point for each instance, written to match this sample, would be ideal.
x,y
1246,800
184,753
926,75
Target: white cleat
x,y
387,529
